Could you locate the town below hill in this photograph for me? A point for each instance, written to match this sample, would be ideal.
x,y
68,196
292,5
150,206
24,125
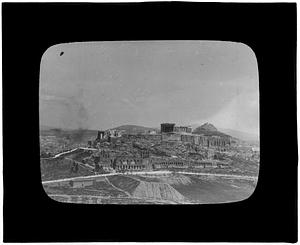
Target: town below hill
x,y
173,164
205,129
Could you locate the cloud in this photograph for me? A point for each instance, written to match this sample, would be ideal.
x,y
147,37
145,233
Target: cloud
x,y
241,113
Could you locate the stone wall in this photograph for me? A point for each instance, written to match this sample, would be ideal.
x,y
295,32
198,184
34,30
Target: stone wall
x,y
170,137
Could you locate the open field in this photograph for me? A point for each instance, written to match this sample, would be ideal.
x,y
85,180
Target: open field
x,y
176,188
124,182
99,188
215,190
233,180
59,168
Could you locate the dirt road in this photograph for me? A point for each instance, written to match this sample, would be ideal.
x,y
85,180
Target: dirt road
x,y
152,173
66,152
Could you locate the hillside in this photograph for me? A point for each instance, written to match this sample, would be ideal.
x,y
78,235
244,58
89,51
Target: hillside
x,y
52,169
209,130
241,135
207,127
134,129
73,135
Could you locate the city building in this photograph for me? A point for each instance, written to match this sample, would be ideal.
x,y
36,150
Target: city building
x,y
170,132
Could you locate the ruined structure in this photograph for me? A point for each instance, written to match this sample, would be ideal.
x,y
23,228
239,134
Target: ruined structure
x,y
185,164
167,127
170,132
171,164
207,141
131,152
183,129
100,135
170,137
131,163
113,133
109,135
108,160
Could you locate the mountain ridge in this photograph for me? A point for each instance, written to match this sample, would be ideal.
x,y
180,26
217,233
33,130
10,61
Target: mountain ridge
x,y
240,134
205,129
209,129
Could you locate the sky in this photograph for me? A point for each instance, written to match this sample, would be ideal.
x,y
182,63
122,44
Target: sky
x,y
102,85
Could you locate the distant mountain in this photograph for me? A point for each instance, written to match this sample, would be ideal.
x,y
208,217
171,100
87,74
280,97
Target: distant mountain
x,y
134,129
75,135
53,128
241,135
207,127
209,130
44,127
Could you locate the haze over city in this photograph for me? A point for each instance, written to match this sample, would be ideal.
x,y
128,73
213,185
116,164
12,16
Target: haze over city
x,y
108,84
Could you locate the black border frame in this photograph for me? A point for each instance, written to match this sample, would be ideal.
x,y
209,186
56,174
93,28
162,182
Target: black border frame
x,y
269,215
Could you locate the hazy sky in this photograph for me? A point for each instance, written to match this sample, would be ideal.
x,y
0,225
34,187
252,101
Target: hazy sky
x,y
107,84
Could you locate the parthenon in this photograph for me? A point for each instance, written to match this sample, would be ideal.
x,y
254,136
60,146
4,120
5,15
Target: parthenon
x,y
170,132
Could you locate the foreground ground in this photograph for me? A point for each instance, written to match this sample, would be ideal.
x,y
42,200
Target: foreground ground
x,y
168,188
59,150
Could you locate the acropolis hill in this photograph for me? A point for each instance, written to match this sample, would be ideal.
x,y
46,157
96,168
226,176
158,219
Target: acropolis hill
x,y
135,150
